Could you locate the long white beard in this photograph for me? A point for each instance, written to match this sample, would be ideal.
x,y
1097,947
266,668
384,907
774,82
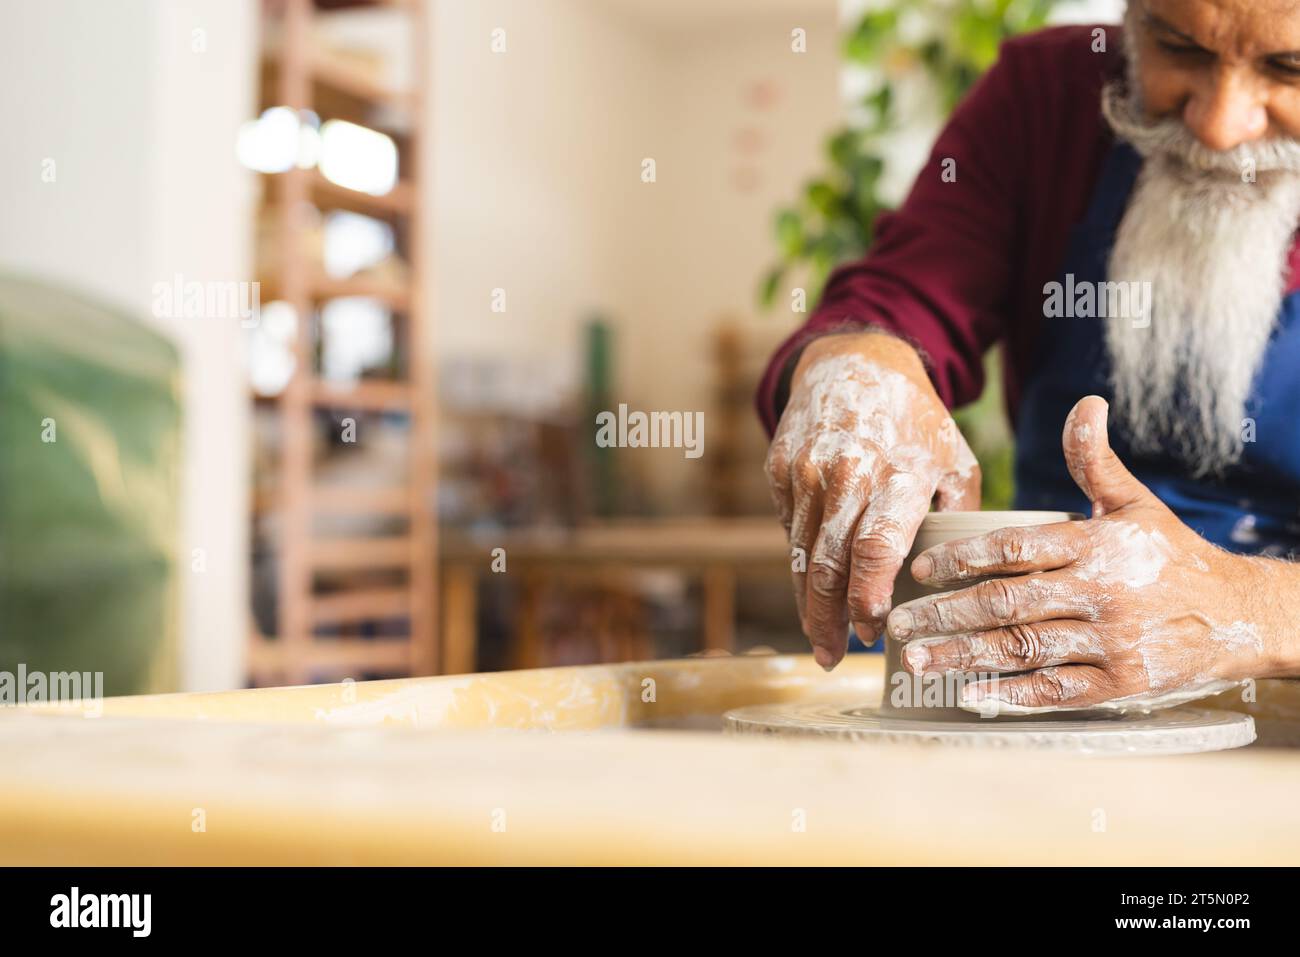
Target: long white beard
x,y
1214,248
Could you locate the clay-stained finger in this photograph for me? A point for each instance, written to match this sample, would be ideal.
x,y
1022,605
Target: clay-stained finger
x,y
805,523
777,468
959,489
781,485
1093,464
880,545
1018,648
848,471
826,619
997,603
1007,551
1063,688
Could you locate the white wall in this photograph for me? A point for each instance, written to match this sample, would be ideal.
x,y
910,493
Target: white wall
x,y
536,170
731,163
1089,11
201,209
142,129
537,167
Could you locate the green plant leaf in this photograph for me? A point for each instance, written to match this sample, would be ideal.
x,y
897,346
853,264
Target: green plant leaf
x,y
834,218
843,147
823,198
867,41
770,286
789,232
881,101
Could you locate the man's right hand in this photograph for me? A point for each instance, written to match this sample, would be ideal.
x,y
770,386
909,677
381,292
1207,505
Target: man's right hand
x,y
863,447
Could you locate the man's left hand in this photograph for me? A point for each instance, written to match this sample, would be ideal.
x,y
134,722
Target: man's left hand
x,y
1128,609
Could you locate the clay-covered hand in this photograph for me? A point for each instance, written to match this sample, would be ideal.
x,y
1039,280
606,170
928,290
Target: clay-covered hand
x,y
1130,609
862,449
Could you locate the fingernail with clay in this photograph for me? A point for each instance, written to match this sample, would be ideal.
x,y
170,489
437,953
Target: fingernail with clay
x,y
922,568
980,698
977,693
900,623
917,658
866,634
824,658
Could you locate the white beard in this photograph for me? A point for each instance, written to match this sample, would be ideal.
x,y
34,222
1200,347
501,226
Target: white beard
x,y
1214,249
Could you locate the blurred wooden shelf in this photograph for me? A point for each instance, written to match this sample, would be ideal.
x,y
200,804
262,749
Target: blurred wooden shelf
x,y
326,195
360,605
359,554
370,395
330,195
346,500
394,295
335,74
320,287
301,74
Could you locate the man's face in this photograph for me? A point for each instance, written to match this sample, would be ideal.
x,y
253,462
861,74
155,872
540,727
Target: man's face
x,y
1212,105
1229,69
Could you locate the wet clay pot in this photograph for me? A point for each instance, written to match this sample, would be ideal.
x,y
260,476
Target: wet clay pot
x,y
934,697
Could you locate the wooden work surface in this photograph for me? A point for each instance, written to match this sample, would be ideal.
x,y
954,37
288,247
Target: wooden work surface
x,y
462,770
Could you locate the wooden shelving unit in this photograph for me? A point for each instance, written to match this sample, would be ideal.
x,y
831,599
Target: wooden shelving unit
x,y
306,78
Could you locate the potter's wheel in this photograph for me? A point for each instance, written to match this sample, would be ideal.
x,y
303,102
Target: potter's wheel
x,y
1171,731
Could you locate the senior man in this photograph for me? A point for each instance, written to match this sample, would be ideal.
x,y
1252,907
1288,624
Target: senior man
x,y
1118,209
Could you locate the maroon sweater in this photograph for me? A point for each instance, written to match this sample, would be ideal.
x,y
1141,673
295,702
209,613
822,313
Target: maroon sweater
x,y
961,265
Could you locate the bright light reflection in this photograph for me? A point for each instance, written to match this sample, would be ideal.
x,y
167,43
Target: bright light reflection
x,y
357,157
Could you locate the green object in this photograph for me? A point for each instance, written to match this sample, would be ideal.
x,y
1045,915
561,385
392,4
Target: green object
x,y
833,220
988,433
953,42
602,462
90,431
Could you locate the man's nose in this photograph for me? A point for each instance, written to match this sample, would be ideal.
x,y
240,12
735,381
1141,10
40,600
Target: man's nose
x,y
1226,112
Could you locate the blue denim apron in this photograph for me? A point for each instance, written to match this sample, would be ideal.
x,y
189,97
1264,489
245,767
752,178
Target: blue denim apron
x,y
1255,506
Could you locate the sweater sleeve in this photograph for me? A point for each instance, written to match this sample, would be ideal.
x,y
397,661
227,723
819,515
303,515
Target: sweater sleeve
x,y
940,269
